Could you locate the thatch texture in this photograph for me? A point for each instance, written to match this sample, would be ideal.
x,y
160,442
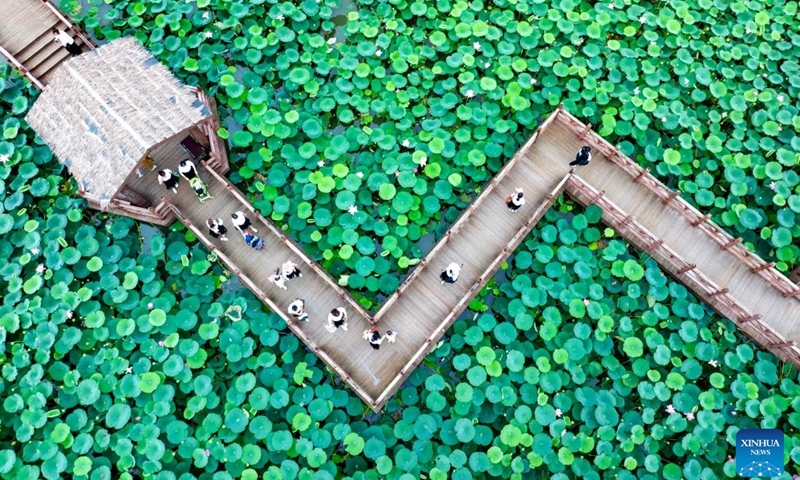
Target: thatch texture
x,y
103,110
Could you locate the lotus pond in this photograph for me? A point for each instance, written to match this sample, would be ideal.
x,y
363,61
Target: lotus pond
x,y
363,130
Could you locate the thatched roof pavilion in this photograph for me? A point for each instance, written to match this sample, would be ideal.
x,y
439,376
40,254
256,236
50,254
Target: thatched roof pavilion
x,y
106,111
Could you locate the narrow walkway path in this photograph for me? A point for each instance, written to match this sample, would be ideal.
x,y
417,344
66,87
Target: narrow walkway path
x,y
26,41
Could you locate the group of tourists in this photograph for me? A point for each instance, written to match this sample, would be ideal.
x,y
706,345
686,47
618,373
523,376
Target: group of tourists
x,y
188,171
337,320
217,229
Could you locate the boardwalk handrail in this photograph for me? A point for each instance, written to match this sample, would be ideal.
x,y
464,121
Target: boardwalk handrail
x,y
293,326
697,219
487,274
461,220
16,63
711,293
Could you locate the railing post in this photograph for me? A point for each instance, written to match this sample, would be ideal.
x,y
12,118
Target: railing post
x,y
671,197
761,268
597,197
653,246
732,243
701,220
751,318
687,268
641,175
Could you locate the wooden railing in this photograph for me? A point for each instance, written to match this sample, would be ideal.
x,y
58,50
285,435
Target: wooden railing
x,y
692,215
13,60
292,324
719,298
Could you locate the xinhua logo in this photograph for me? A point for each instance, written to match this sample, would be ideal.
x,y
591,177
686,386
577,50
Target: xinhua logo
x,y
759,453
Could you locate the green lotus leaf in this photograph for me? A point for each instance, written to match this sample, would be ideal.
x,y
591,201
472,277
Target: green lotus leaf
x,y
148,382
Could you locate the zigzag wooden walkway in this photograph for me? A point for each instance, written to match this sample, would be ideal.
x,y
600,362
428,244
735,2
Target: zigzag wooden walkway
x,y
717,267
26,41
735,282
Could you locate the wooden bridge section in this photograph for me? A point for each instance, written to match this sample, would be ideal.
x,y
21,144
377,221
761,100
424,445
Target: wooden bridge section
x,y
26,41
717,267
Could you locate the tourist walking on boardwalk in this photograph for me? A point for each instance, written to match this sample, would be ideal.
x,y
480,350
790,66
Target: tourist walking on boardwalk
x,y
290,270
297,309
450,274
217,229
241,222
278,279
337,319
66,41
375,339
515,200
254,241
167,178
583,157
188,171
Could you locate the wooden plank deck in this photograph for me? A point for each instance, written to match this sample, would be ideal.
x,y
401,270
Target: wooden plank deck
x,y
26,41
423,308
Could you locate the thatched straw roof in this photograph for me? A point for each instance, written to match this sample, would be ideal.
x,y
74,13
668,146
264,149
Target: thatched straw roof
x,y
104,109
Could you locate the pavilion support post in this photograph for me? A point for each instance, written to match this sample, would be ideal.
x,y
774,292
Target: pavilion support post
x,y
795,275
701,220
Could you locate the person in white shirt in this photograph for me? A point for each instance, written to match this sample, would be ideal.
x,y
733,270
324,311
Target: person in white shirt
x,y
515,201
450,274
337,319
66,41
297,309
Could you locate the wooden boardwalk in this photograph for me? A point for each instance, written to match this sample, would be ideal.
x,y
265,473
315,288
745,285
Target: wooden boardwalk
x,y
26,41
735,282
